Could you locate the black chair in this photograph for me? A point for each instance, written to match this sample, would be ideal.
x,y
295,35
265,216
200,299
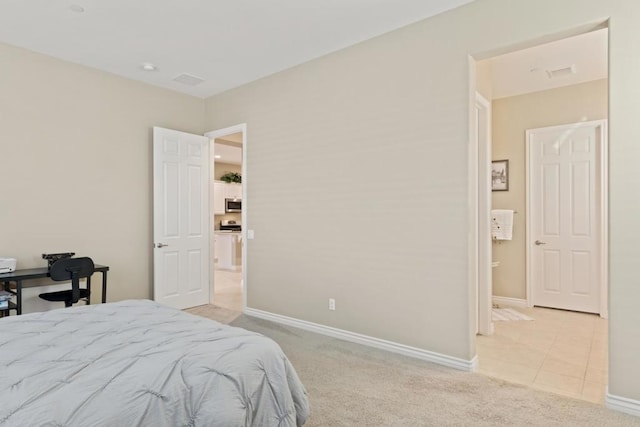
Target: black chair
x,y
72,269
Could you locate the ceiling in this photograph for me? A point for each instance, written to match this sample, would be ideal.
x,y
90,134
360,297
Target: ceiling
x,y
228,149
228,154
226,43
581,59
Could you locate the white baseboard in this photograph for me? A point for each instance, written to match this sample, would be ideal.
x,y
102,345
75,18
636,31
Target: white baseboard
x,y
622,404
513,302
429,356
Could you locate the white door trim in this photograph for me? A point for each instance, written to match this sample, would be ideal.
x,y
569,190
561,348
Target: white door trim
x,y
212,135
604,204
485,278
394,347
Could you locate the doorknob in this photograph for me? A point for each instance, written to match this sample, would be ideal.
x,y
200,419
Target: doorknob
x,y
161,245
538,242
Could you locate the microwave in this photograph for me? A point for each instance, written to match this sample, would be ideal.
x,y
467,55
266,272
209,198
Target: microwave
x,y
233,205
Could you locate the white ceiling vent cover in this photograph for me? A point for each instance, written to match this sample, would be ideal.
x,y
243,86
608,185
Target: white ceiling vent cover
x,y
561,72
188,79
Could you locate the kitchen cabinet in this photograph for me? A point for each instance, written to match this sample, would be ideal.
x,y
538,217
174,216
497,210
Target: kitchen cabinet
x,y
216,247
221,191
218,197
228,248
233,191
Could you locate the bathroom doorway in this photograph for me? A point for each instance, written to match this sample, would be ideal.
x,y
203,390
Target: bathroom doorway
x,y
547,85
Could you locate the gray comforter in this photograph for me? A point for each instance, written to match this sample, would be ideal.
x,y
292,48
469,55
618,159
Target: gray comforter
x,y
138,363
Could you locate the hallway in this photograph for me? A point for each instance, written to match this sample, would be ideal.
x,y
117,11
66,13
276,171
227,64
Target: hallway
x,y
228,289
563,352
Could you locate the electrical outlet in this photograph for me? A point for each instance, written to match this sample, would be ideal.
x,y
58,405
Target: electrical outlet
x,y
332,304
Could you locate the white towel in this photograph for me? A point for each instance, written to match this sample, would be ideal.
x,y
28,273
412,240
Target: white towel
x,y
502,224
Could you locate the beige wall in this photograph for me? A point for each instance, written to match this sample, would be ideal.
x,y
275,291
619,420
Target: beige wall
x,y
335,149
76,165
512,116
403,100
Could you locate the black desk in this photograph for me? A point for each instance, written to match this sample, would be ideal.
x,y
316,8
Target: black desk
x,y
19,276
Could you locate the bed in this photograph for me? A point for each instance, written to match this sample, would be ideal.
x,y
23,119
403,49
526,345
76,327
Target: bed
x,y
138,363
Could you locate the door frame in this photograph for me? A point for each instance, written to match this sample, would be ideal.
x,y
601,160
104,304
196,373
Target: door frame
x,y
603,192
484,273
479,233
212,135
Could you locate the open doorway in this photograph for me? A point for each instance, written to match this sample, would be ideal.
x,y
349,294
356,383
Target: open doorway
x,y
227,221
558,85
227,216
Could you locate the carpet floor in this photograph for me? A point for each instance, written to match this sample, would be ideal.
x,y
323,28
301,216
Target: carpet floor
x,y
354,385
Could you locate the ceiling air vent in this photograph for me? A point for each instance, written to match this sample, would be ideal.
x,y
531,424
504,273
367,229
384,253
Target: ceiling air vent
x,y
188,79
561,72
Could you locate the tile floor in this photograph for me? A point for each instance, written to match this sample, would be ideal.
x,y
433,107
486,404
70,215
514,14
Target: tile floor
x,y
560,351
228,289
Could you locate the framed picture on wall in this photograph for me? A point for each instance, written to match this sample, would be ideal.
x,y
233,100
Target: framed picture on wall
x,y
500,175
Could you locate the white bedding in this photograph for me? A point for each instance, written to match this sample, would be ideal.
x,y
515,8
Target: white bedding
x,y
138,363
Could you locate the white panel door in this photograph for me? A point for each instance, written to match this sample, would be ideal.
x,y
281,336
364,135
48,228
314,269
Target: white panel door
x,y
180,218
565,207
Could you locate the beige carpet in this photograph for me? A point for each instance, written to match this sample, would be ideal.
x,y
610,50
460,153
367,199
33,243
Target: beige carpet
x,y
354,385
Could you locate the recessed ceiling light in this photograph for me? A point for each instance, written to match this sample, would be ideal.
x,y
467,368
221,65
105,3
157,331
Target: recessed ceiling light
x,y
217,156
147,66
76,8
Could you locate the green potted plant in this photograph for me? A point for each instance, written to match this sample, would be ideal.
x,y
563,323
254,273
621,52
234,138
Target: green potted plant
x,y
230,177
